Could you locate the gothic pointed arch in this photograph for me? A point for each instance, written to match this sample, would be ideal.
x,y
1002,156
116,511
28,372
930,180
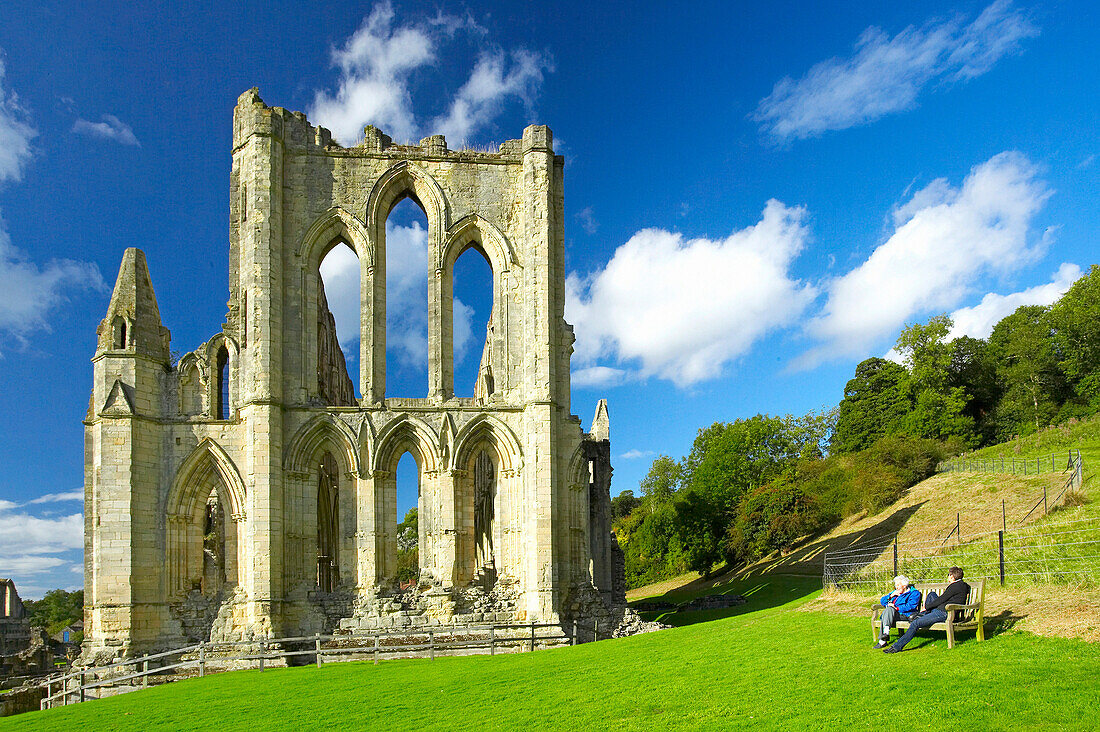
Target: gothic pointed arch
x,y
475,230
407,434
367,441
207,463
403,180
485,429
578,469
321,430
336,224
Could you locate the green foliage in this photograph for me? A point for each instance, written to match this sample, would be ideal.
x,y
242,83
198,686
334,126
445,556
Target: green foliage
x,y
772,517
623,504
875,403
1034,387
662,480
55,610
408,549
939,409
1075,320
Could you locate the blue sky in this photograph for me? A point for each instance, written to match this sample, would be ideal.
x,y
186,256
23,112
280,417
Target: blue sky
x,y
757,197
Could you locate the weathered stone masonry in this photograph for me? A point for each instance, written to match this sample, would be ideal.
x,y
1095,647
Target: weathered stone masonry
x,y
245,491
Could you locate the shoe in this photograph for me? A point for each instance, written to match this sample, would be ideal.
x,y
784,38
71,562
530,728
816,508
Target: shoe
x,y
891,649
881,644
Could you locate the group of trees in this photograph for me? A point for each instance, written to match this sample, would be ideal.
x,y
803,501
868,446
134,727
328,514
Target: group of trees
x,y
755,485
56,610
1039,366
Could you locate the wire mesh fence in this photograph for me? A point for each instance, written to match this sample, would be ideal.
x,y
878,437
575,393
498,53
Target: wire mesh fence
x,y
1058,462
1067,552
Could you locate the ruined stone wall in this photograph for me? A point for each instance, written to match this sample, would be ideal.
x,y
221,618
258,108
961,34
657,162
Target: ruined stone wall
x,y
161,440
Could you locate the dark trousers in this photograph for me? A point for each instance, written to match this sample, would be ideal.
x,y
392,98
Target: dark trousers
x,y
929,618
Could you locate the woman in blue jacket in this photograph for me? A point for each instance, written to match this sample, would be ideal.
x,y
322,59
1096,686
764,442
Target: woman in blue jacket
x,y
899,605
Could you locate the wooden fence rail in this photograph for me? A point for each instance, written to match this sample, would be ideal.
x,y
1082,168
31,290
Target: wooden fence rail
x,y
203,657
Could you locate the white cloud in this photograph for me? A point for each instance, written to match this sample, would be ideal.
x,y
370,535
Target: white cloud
x,y
23,565
977,321
886,75
587,220
34,535
377,64
637,454
111,128
597,376
59,497
944,240
29,292
493,81
16,133
682,309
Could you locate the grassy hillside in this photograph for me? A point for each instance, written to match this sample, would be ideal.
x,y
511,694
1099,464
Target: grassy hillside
x,y
1084,435
767,667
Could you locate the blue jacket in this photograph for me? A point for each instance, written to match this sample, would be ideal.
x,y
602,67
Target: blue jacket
x,y
907,602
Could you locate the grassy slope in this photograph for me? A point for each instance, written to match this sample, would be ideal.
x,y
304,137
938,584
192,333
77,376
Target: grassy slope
x,y
765,668
1084,436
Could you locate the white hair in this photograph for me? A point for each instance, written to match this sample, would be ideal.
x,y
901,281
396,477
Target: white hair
x,y
902,581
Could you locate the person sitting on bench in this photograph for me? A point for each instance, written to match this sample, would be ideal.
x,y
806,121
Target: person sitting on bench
x,y
955,593
899,605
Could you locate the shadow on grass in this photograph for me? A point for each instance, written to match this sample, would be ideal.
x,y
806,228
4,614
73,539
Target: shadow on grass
x,y
994,625
760,593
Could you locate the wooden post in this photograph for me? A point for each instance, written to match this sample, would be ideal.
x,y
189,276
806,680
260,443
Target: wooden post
x,y
573,640
595,630
895,556
1001,554
532,635
145,674
492,640
431,644
263,652
202,659
376,648
1044,501
1004,516
81,686
317,648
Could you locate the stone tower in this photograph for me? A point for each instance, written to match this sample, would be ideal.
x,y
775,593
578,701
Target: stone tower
x,y
245,491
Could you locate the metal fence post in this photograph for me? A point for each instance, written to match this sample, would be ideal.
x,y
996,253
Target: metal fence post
x,y
1004,515
202,659
895,556
1001,554
317,648
1044,501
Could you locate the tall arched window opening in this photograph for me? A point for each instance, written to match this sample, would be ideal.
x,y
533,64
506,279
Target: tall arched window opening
x,y
119,328
406,251
408,523
328,524
338,327
221,410
484,498
471,324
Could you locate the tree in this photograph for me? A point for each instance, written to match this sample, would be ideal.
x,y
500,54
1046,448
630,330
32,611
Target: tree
x,y
662,480
973,370
1075,320
623,504
875,403
938,408
408,547
55,610
1022,346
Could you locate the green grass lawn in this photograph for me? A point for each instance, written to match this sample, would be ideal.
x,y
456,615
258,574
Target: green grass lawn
x,y
768,666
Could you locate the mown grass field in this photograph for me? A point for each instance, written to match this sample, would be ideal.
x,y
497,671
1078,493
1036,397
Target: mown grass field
x,y
766,666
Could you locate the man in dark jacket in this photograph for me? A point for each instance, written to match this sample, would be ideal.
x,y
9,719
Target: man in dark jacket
x,y
955,593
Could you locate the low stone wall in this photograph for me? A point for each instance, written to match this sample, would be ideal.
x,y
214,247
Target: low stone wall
x,y
23,699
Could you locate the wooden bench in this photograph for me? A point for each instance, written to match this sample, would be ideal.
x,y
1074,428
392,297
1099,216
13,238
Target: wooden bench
x,y
959,617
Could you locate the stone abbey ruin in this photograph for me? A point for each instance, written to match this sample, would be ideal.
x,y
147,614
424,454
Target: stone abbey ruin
x,y
245,492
